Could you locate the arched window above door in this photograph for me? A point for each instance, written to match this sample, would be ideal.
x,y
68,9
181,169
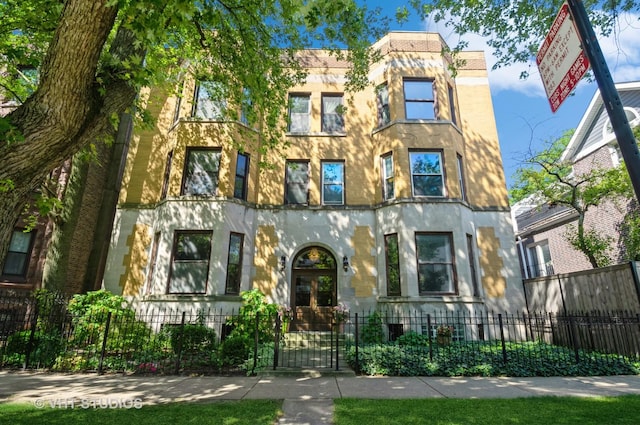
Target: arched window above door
x,y
315,258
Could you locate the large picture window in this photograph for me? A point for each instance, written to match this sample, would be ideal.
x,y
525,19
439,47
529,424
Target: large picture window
x,y
332,119
17,259
299,113
426,173
436,269
297,182
388,189
234,264
242,172
190,262
208,101
200,176
333,183
419,100
393,264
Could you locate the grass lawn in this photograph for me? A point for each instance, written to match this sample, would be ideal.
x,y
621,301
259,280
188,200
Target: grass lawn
x,y
522,411
245,412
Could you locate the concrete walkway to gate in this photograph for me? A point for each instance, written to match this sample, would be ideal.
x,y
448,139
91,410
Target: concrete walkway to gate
x,y
307,398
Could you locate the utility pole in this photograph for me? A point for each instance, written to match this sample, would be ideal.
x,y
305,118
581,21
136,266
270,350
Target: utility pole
x,y
608,92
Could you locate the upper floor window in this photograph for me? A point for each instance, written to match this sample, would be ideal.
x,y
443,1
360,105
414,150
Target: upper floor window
x,y
436,271
201,170
332,109
17,260
190,262
242,173
167,173
208,101
427,178
540,263
234,264
419,100
393,264
299,113
382,104
388,188
176,111
461,180
297,182
333,183
452,105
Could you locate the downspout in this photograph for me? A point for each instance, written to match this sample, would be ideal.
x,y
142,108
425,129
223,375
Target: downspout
x,y
524,259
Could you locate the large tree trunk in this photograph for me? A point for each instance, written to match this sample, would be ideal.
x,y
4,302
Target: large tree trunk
x,y
68,110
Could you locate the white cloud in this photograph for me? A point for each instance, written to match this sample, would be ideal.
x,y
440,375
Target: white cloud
x,y
621,50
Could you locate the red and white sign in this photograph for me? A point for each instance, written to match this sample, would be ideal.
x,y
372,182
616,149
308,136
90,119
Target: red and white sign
x,y
561,60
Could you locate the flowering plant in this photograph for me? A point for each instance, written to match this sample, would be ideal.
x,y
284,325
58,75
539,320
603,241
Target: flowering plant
x,y
341,312
444,330
147,368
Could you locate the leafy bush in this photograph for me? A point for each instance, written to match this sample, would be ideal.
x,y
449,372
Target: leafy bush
x,y
413,338
192,337
485,358
372,332
45,347
255,306
235,349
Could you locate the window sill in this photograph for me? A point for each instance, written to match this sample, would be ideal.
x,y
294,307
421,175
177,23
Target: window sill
x,y
190,298
315,134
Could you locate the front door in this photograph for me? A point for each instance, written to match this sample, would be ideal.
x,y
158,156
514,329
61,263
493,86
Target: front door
x,y
313,290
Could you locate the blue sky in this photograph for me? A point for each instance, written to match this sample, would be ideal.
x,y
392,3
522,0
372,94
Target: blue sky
x,y
523,115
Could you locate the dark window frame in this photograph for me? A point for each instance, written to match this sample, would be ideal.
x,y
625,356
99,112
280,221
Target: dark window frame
x,y
22,276
392,266
287,183
451,265
243,176
176,236
185,174
167,173
234,282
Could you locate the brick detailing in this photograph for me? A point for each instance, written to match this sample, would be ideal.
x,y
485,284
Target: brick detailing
x,y
363,262
491,263
265,260
135,262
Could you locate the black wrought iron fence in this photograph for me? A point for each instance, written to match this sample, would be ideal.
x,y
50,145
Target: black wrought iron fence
x,y
47,336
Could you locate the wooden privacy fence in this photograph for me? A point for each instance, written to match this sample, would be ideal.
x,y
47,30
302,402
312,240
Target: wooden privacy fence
x,y
611,289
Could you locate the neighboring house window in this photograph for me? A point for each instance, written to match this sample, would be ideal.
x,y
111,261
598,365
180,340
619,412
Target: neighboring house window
x,y
472,265
463,189
201,172
297,182
190,262
632,117
208,101
242,173
333,183
167,173
393,264
540,263
427,178
332,119
234,264
419,100
436,271
17,260
299,113
382,103
388,190
452,105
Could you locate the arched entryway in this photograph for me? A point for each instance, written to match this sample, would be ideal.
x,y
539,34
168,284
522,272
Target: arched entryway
x,y
313,289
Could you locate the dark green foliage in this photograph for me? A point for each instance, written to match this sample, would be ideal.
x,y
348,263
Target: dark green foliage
x,y
235,350
413,338
192,337
44,348
485,358
372,332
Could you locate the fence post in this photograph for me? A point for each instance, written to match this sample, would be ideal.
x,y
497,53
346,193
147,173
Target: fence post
x,y
104,343
504,347
255,345
276,346
34,325
357,343
337,326
430,339
179,347
574,337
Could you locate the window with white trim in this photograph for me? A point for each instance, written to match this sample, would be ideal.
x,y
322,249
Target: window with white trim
x,y
332,183
299,113
382,104
208,101
427,178
297,182
201,170
388,187
419,99
332,110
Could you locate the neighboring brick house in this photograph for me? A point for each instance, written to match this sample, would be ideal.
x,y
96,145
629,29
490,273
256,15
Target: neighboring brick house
x,y
540,230
400,202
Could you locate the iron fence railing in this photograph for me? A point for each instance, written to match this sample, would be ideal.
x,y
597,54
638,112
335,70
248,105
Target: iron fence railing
x,y
34,335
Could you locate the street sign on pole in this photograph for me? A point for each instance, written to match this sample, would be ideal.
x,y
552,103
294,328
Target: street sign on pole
x,y
561,60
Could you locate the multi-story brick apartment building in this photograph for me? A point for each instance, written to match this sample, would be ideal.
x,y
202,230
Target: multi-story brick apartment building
x,y
542,245
397,200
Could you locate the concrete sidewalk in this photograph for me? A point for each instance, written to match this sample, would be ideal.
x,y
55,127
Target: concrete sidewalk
x,y
307,400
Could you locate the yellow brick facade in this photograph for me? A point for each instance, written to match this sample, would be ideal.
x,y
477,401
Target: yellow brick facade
x,y
473,205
